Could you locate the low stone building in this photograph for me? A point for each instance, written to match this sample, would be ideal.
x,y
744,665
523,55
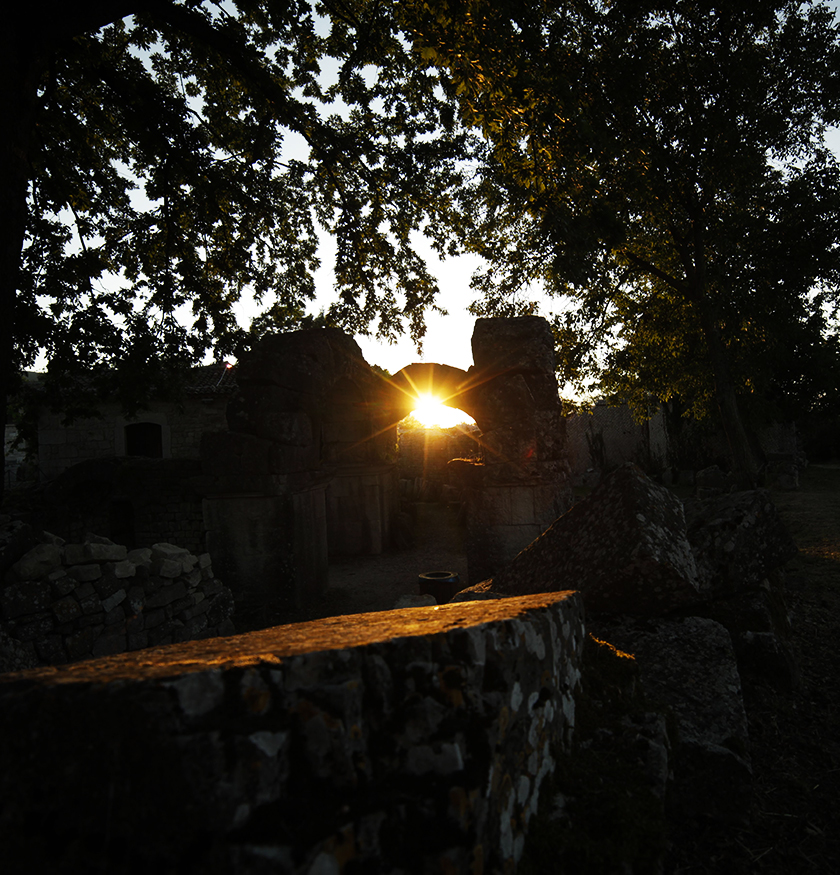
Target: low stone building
x,y
168,429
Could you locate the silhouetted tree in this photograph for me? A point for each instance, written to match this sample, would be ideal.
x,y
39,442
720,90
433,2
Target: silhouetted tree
x,y
148,180
661,164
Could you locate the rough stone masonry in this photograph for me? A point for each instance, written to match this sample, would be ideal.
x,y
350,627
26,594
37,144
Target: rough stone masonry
x,y
403,741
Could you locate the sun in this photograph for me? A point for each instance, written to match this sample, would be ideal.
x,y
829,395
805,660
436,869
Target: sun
x,y
431,413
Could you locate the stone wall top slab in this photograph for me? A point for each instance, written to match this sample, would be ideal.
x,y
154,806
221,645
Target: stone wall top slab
x,y
280,642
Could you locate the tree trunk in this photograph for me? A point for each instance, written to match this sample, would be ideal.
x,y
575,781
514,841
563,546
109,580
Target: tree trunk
x,y
20,72
744,464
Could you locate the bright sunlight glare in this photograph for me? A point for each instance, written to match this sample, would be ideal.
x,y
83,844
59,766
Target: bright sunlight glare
x,y
430,413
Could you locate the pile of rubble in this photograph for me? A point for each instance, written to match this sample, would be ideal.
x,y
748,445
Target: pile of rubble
x,y
694,593
64,602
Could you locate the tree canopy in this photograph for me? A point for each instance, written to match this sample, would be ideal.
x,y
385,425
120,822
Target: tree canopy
x,y
660,165
162,156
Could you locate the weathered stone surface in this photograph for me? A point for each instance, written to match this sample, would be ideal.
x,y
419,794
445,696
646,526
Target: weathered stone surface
x,y
413,740
689,666
85,572
37,562
624,547
141,556
524,343
26,597
737,540
66,609
14,656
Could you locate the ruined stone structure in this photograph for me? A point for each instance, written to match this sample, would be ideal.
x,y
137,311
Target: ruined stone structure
x,y
306,468
415,740
523,484
168,429
63,602
605,437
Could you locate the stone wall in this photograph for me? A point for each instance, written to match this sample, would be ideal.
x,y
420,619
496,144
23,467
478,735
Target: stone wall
x,y
404,741
182,425
64,602
133,501
605,437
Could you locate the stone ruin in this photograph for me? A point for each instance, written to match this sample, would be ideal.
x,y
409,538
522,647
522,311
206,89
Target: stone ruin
x,y
63,602
695,594
421,739
306,469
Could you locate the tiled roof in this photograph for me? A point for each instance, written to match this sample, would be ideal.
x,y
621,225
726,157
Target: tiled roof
x,y
218,378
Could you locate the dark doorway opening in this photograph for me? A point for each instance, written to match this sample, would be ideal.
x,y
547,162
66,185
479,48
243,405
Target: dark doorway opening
x,y
144,439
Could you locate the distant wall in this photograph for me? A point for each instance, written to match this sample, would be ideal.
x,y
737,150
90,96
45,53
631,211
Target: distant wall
x,y
414,741
133,501
425,452
606,437
182,425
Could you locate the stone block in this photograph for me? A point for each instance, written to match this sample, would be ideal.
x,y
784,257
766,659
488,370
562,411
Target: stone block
x,y
737,540
84,573
66,610
74,554
188,563
115,615
37,562
141,556
522,344
105,552
154,618
167,595
62,584
79,644
26,597
35,628
689,666
624,547
92,604
106,585
167,568
121,570
181,605
136,598
113,601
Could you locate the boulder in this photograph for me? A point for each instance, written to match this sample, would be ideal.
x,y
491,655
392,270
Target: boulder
x,y
738,540
688,666
623,547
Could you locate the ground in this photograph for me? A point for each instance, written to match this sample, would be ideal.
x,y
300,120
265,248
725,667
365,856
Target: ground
x,y
795,739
